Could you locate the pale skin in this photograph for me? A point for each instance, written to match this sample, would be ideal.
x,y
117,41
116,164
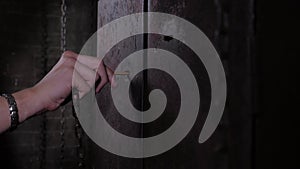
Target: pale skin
x,y
56,86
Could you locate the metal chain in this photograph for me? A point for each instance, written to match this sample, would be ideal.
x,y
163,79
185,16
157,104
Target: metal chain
x,y
63,32
78,129
62,136
79,135
63,21
44,62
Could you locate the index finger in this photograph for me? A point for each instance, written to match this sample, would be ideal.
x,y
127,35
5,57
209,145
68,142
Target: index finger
x,y
90,61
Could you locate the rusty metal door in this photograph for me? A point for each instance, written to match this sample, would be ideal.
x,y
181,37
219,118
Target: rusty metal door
x,y
229,26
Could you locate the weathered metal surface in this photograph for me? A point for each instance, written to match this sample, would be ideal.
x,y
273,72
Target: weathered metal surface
x,y
188,153
109,10
227,24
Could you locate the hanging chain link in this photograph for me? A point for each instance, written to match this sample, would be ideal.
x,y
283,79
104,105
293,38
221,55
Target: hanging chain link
x,y
78,129
79,135
63,21
44,62
63,32
62,135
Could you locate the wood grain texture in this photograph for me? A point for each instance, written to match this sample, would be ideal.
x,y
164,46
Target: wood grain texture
x,y
228,26
188,153
109,10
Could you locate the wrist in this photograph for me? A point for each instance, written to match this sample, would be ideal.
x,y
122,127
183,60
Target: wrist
x,y
28,103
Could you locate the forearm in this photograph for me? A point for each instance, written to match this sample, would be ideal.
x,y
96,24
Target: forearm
x,y
56,86
28,105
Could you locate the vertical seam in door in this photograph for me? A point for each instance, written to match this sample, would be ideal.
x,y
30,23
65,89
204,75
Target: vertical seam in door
x,y
145,73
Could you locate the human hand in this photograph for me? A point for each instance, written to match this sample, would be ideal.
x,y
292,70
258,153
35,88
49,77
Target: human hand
x,y
56,86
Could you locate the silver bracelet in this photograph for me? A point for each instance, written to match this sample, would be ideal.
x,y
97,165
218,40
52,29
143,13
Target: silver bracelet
x,y
13,110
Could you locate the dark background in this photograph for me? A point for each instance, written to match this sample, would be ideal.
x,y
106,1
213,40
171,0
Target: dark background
x,y
257,41
277,136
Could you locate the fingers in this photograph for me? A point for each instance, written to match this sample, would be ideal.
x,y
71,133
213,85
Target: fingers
x,y
97,65
80,84
91,62
102,73
110,76
89,75
90,69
